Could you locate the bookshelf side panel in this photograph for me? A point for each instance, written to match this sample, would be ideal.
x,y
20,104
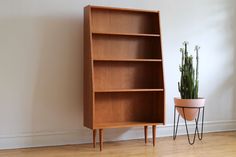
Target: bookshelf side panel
x,y
88,90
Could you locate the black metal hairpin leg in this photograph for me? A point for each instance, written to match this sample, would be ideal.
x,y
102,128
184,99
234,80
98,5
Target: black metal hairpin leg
x,y
200,136
175,131
196,132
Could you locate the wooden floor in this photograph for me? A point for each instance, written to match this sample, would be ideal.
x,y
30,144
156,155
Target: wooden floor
x,y
213,145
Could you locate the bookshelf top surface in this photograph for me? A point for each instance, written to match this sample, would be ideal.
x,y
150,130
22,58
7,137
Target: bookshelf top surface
x,y
122,9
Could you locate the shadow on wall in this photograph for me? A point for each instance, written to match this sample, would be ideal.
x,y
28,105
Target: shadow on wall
x,y
57,95
222,97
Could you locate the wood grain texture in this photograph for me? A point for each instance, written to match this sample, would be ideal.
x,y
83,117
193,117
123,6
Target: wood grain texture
x,y
124,9
163,107
127,75
88,68
221,144
127,60
126,47
126,34
125,124
128,90
159,110
128,107
110,20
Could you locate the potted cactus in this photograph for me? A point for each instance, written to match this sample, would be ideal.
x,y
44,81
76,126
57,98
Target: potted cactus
x,y
188,86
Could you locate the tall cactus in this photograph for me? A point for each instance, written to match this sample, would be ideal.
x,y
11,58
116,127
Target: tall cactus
x,y
188,85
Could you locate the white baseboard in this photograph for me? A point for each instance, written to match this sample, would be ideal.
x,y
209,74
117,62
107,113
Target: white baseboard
x,y
85,135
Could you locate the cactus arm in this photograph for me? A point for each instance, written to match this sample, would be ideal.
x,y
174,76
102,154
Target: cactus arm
x,y
197,63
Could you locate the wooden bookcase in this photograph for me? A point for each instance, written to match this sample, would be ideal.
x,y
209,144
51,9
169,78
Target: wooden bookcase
x,y
123,70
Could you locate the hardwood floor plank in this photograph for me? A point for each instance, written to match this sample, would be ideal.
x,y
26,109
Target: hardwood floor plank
x,y
221,144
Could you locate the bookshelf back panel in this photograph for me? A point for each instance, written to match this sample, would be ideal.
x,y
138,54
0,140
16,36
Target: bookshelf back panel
x,y
127,107
159,108
104,20
127,75
126,47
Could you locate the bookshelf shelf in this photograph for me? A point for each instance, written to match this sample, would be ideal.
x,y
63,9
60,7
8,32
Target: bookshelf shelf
x,y
126,34
129,90
128,60
125,124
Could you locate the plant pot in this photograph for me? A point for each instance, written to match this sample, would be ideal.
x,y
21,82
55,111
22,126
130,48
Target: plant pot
x,y
190,113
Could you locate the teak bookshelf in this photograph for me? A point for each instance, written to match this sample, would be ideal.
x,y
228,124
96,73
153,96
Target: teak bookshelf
x,y
123,70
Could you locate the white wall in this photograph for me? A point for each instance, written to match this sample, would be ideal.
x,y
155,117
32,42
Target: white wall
x,y
41,66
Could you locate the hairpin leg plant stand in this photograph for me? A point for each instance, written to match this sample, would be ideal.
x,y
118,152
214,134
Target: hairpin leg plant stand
x,y
197,129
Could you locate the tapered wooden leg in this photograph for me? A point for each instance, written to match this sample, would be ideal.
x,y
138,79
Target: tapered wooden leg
x,y
154,134
94,138
101,138
146,133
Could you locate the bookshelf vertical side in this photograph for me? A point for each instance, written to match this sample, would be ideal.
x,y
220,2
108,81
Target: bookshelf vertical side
x,y
88,95
163,77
